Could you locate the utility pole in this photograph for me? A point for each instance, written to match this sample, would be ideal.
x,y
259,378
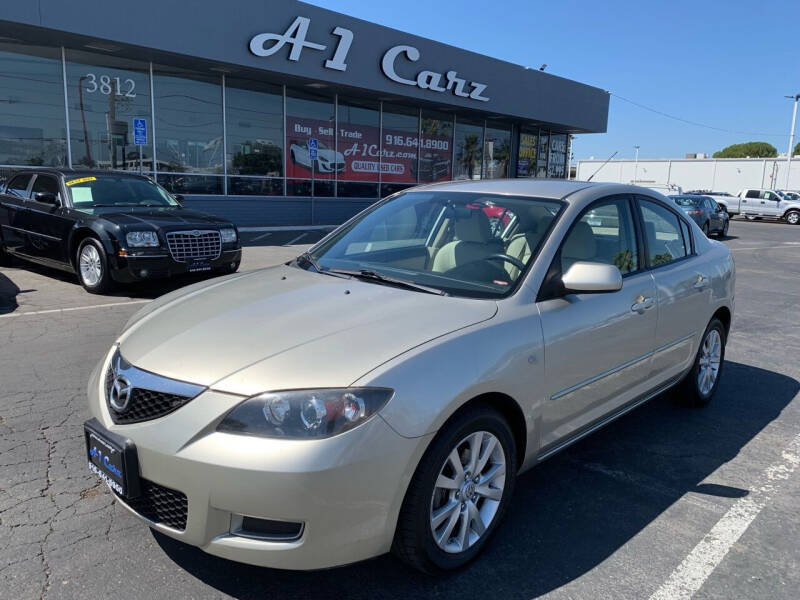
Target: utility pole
x,y
636,166
791,140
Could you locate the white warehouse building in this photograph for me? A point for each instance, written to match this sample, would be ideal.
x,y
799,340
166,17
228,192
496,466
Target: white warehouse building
x,y
717,174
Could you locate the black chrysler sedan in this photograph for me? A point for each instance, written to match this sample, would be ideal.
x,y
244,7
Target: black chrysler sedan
x,y
110,227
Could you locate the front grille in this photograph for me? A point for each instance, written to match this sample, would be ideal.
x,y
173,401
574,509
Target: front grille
x,y
188,246
160,505
144,405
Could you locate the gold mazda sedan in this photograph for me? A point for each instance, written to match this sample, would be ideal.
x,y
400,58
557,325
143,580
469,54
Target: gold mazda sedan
x,y
383,390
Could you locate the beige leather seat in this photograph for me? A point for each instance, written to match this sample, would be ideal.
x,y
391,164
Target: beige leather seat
x,y
579,245
473,243
532,226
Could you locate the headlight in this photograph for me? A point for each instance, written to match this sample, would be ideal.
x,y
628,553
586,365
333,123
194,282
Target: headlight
x,y
228,235
142,239
304,414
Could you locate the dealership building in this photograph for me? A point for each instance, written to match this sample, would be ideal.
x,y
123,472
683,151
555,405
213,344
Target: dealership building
x,y
272,112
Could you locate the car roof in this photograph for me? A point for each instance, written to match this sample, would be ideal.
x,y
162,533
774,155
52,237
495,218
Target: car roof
x,y
557,189
67,172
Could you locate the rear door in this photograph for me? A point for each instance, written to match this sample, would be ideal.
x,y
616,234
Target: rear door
x,y
12,207
683,287
751,202
48,223
597,346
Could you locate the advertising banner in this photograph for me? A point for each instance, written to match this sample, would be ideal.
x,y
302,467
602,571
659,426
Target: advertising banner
x,y
526,164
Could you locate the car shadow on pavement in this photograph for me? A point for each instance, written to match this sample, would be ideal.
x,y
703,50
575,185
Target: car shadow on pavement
x,y
8,295
567,516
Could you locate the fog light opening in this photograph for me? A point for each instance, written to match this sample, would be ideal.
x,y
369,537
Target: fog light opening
x,y
266,529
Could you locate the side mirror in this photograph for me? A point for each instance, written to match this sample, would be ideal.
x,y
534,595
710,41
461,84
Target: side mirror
x,y
46,198
592,278
179,198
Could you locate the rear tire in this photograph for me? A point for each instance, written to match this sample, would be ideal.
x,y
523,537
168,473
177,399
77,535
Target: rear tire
x,y
457,514
724,232
793,217
702,381
705,228
91,264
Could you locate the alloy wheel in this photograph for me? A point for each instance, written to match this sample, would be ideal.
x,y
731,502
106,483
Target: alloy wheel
x,y
468,491
793,218
90,265
710,358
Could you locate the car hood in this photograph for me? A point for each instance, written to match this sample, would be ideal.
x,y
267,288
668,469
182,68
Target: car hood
x,y
158,217
286,328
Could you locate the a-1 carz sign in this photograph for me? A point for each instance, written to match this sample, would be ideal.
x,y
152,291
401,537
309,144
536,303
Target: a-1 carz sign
x,y
448,82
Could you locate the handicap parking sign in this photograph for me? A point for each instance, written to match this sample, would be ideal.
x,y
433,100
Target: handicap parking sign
x,y
313,148
140,132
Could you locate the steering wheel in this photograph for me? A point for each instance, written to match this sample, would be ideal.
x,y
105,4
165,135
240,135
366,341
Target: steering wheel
x,y
509,259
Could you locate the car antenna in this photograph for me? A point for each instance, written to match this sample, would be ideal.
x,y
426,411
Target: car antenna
x,y
603,165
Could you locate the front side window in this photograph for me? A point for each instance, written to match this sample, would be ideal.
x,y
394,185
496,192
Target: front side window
x,y
18,186
45,185
604,234
94,192
464,244
662,232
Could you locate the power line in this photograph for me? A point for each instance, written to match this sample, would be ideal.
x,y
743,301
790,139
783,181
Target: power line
x,y
696,124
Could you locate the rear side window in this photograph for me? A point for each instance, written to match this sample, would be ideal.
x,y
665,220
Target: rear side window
x,y
603,234
662,229
752,194
687,236
18,186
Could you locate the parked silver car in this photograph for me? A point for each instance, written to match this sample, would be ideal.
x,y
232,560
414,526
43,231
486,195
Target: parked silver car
x,y
383,391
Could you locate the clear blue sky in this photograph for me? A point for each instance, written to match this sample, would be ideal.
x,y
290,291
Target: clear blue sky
x,y
723,63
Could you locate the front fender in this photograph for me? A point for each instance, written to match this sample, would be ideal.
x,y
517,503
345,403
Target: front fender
x,y
97,230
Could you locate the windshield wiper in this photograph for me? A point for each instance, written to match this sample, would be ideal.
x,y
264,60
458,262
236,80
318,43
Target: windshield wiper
x,y
367,275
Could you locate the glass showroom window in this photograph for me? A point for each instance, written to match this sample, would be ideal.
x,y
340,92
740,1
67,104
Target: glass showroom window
x,y
436,147
469,149
32,126
526,161
497,152
310,122
188,130
359,142
254,118
541,157
400,148
556,166
105,94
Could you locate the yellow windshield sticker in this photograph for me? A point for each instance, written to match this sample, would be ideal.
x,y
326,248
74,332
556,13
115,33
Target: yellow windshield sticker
x,y
81,180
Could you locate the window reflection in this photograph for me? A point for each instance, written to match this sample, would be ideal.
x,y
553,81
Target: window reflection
x,y
436,147
400,143
188,121
105,94
358,139
255,128
497,151
310,123
32,127
469,150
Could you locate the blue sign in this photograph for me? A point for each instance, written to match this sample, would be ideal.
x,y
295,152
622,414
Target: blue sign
x,y
140,132
313,148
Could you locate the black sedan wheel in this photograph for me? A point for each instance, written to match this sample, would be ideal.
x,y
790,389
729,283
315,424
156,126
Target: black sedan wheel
x,y
705,229
723,233
92,267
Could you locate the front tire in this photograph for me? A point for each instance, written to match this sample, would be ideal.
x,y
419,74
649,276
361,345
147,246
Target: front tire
x,y
793,217
702,381
91,264
459,492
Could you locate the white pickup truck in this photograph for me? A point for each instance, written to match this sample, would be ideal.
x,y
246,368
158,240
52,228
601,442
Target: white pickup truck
x,y
761,203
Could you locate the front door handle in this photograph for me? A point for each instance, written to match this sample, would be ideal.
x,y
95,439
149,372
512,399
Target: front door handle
x,y
642,304
700,282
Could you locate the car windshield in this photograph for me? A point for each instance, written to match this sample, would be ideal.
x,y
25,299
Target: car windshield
x,y
792,195
687,201
89,192
463,244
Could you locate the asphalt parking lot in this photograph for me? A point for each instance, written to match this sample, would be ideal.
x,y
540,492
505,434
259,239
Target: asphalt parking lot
x,y
662,502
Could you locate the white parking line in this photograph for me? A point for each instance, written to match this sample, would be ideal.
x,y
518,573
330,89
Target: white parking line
x,y
708,554
70,309
297,239
261,237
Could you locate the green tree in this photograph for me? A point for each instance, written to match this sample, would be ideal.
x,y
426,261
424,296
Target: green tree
x,y
797,150
748,150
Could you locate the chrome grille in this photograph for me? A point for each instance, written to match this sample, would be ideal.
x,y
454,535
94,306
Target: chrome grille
x,y
193,245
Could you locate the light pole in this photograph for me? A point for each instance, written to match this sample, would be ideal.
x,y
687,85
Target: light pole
x,y
791,139
636,166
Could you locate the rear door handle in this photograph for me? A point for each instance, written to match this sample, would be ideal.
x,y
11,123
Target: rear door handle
x,y
700,282
642,304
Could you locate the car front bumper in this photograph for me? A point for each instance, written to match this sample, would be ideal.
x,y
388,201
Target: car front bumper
x,y
346,491
144,266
